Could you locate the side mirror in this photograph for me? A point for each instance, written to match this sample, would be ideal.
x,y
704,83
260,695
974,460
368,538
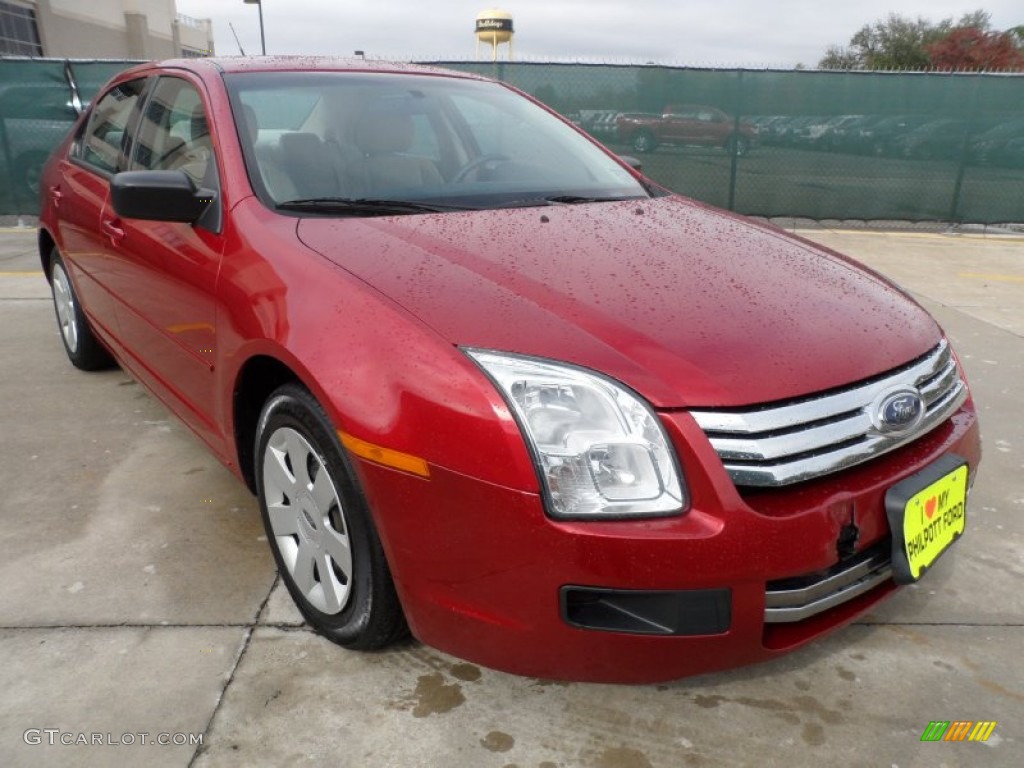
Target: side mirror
x,y
632,162
158,196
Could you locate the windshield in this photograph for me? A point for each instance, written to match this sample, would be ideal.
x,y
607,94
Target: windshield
x,y
331,142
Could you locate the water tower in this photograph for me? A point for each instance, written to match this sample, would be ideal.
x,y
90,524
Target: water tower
x,y
494,27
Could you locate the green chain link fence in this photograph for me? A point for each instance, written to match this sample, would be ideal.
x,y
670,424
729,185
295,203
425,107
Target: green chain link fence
x,y
809,144
39,101
821,145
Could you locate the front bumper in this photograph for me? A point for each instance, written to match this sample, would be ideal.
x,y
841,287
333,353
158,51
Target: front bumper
x,y
483,574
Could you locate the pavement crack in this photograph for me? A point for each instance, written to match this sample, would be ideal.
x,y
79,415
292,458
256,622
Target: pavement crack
x,y
246,640
223,691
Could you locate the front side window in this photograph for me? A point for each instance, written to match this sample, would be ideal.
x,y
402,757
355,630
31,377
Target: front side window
x,y
106,134
174,134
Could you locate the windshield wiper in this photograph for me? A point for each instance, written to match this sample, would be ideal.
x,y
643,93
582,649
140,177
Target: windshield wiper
x,y
535,202
574,199
367,206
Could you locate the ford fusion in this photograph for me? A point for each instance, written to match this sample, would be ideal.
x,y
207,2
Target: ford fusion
x,y
491,385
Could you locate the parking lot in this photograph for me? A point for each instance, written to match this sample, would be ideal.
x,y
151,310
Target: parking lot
x,y
140,596
775,181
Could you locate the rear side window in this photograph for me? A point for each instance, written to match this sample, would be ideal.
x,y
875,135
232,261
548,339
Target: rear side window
x,y
106,134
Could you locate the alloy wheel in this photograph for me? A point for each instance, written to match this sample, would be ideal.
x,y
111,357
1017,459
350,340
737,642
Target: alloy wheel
x,y
64,301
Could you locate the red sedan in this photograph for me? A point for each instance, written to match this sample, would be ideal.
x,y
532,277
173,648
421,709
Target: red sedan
x,y
493,386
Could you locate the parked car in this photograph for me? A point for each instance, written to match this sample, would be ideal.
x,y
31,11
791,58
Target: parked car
x,y
1010,154
823,136
814,133
685,125
767,127
786,132
882,138
489,383
600,123
941,139
987,147
847,137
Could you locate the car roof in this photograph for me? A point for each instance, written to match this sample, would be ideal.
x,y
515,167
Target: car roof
x,y
233,64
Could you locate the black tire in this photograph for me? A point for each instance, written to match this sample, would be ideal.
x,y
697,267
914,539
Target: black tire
x,y
738,144
348,598
84,350
644,142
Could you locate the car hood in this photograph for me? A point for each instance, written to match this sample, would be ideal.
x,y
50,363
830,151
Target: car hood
x,y
687,305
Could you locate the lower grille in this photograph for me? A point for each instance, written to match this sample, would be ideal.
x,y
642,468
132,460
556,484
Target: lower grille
x,y
800,598
643,612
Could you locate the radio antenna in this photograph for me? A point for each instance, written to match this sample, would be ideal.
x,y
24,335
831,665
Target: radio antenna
x,y
237,42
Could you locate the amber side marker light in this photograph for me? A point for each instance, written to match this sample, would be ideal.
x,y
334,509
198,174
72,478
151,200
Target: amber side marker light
x,y
387,457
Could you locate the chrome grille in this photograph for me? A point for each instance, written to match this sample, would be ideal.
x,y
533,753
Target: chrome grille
x,y
777,445
799,599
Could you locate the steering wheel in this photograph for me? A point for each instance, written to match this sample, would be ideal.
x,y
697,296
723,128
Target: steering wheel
x,y
477,162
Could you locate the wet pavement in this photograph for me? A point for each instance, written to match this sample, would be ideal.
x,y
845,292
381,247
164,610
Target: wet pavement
x,y
140,602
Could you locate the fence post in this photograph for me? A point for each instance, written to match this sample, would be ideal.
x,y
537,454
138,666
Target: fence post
x,y
965,146
11,173
69,77
734,145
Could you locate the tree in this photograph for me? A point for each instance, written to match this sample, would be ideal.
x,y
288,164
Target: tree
x,y
899,42
838,57
981,20
974,50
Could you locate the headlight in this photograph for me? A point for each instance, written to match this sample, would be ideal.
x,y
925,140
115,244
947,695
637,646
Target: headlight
x,y
600,449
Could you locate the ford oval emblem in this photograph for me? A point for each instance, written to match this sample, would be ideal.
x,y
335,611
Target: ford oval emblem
x,y
898,411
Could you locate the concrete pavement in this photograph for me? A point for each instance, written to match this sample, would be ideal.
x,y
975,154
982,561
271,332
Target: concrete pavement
x,y
140,597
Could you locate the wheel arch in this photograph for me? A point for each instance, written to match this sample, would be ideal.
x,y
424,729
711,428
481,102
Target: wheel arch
x,y
257,379
46,245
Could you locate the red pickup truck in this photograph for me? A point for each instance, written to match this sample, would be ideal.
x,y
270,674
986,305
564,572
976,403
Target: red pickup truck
x,y
691,124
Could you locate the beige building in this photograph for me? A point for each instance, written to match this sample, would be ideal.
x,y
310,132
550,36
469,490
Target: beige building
x,y
101,29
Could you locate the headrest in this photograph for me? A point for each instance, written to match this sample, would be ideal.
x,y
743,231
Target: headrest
x,y
305,145
380,132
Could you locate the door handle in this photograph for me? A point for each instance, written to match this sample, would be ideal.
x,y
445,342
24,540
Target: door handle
x,y
113,231
55,196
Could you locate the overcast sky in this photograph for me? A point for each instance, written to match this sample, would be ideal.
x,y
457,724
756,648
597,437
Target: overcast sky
x,y
724,32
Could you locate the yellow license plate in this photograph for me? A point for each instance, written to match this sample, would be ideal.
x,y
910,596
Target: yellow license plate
x,y
927,513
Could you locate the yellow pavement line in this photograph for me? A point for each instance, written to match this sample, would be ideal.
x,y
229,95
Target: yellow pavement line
x,y
997,278
37,273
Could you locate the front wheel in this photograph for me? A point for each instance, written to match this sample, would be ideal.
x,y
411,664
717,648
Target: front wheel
x,y
644,142
83,348
319,526
739,145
